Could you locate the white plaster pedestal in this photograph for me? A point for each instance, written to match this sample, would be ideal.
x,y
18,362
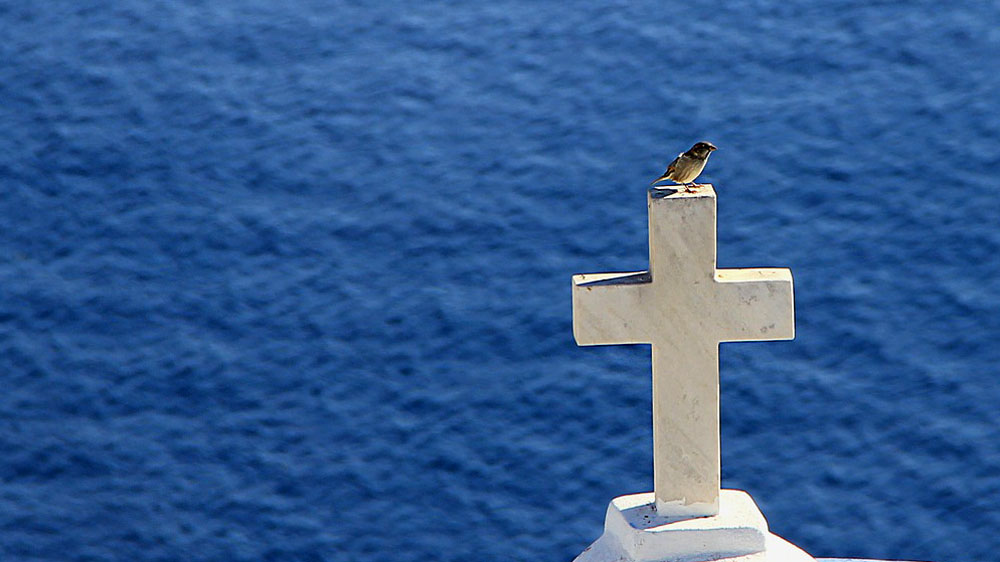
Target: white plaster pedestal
x,y
634,531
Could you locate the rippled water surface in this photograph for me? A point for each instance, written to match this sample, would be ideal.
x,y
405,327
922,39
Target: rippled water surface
x,y
290,280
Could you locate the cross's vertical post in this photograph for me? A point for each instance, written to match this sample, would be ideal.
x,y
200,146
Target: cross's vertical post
x,y
684,307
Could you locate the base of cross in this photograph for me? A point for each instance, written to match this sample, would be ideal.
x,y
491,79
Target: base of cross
x,y
635,532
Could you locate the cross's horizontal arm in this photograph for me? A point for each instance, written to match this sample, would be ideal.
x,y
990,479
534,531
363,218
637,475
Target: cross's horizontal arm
x,y
755,304
605,305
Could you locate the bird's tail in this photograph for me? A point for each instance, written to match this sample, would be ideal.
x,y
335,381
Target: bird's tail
x,y
659,179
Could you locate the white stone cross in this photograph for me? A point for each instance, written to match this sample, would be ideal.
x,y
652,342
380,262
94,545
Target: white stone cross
x,y
683,306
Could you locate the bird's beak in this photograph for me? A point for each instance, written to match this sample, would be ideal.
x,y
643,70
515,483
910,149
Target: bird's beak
x,y
712,148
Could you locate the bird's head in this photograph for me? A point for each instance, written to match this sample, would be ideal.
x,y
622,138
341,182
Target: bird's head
x,y
702,149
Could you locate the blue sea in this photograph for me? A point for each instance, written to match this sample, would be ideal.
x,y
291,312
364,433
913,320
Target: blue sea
x,y
290,281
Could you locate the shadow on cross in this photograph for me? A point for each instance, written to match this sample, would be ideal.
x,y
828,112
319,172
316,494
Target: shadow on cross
x,y
661,192
638,278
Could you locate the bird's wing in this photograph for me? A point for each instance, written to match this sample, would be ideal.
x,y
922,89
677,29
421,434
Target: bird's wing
x,y
673,165
671,168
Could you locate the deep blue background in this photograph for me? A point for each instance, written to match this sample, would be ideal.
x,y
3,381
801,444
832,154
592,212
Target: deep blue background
x,y
291,281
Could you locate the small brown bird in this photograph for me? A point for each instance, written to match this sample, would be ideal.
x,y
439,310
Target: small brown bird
x,y
688,166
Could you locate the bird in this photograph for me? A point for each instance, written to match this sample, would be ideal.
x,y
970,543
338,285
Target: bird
x,y
688,166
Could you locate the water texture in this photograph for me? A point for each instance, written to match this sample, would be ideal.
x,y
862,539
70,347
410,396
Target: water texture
x,y
291,280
